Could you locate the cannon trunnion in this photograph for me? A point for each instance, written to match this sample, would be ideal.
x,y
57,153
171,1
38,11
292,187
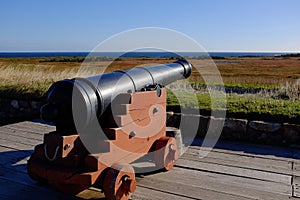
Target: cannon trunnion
x,y
131,111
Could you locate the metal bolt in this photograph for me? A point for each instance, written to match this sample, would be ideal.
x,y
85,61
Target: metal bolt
x,y
155,110
128,184
172,147
67,146
132,134
125,178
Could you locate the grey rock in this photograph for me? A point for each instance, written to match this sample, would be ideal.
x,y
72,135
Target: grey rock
x,y
203,126
291,133
170,113
14,104
265,126
236,125
189,124
173,120
2,115
265,133
11,115
169,117
214,129
23,104
234,129
36,105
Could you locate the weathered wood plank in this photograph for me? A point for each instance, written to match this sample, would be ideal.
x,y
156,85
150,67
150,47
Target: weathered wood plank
x,y
180,190
38,124
32,129
17,176
20,140
13,157
296,191
140,193
235,171
15,145
17,179
263,151
23,134
223,183
145,193
296,168
228,152
91,193
243,171
17,165
296,186
14,190
246,161
202,185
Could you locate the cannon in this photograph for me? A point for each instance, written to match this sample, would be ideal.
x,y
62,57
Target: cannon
x,y
103,124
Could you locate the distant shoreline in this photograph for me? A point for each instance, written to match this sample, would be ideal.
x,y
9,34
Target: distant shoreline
x,y
142,54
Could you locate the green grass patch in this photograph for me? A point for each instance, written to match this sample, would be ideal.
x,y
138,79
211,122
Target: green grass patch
x,y
247,86
251,104
252,86
36,91
239,106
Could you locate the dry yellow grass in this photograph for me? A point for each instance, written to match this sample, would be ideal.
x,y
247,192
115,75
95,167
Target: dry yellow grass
x,y
30,81
255,71
31,78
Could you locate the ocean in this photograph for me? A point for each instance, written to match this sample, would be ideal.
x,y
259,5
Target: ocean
x,y
136,54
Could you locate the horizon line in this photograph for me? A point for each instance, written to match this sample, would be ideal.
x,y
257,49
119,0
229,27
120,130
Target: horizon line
x,y
150,51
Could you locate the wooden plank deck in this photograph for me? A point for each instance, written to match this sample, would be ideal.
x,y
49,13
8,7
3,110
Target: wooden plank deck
x,y
230,171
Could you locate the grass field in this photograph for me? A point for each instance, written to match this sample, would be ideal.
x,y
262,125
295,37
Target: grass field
x,y
258,71
274,80
30,78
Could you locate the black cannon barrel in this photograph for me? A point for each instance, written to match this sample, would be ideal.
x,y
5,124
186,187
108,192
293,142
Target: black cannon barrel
x,y
92,96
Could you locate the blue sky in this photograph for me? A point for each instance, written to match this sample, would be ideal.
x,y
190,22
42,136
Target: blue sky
x,y
218,25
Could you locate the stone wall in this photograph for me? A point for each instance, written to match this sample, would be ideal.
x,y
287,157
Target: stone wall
x,y
13,110
244,130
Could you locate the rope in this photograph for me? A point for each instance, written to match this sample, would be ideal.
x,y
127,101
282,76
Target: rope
x,y
46,154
